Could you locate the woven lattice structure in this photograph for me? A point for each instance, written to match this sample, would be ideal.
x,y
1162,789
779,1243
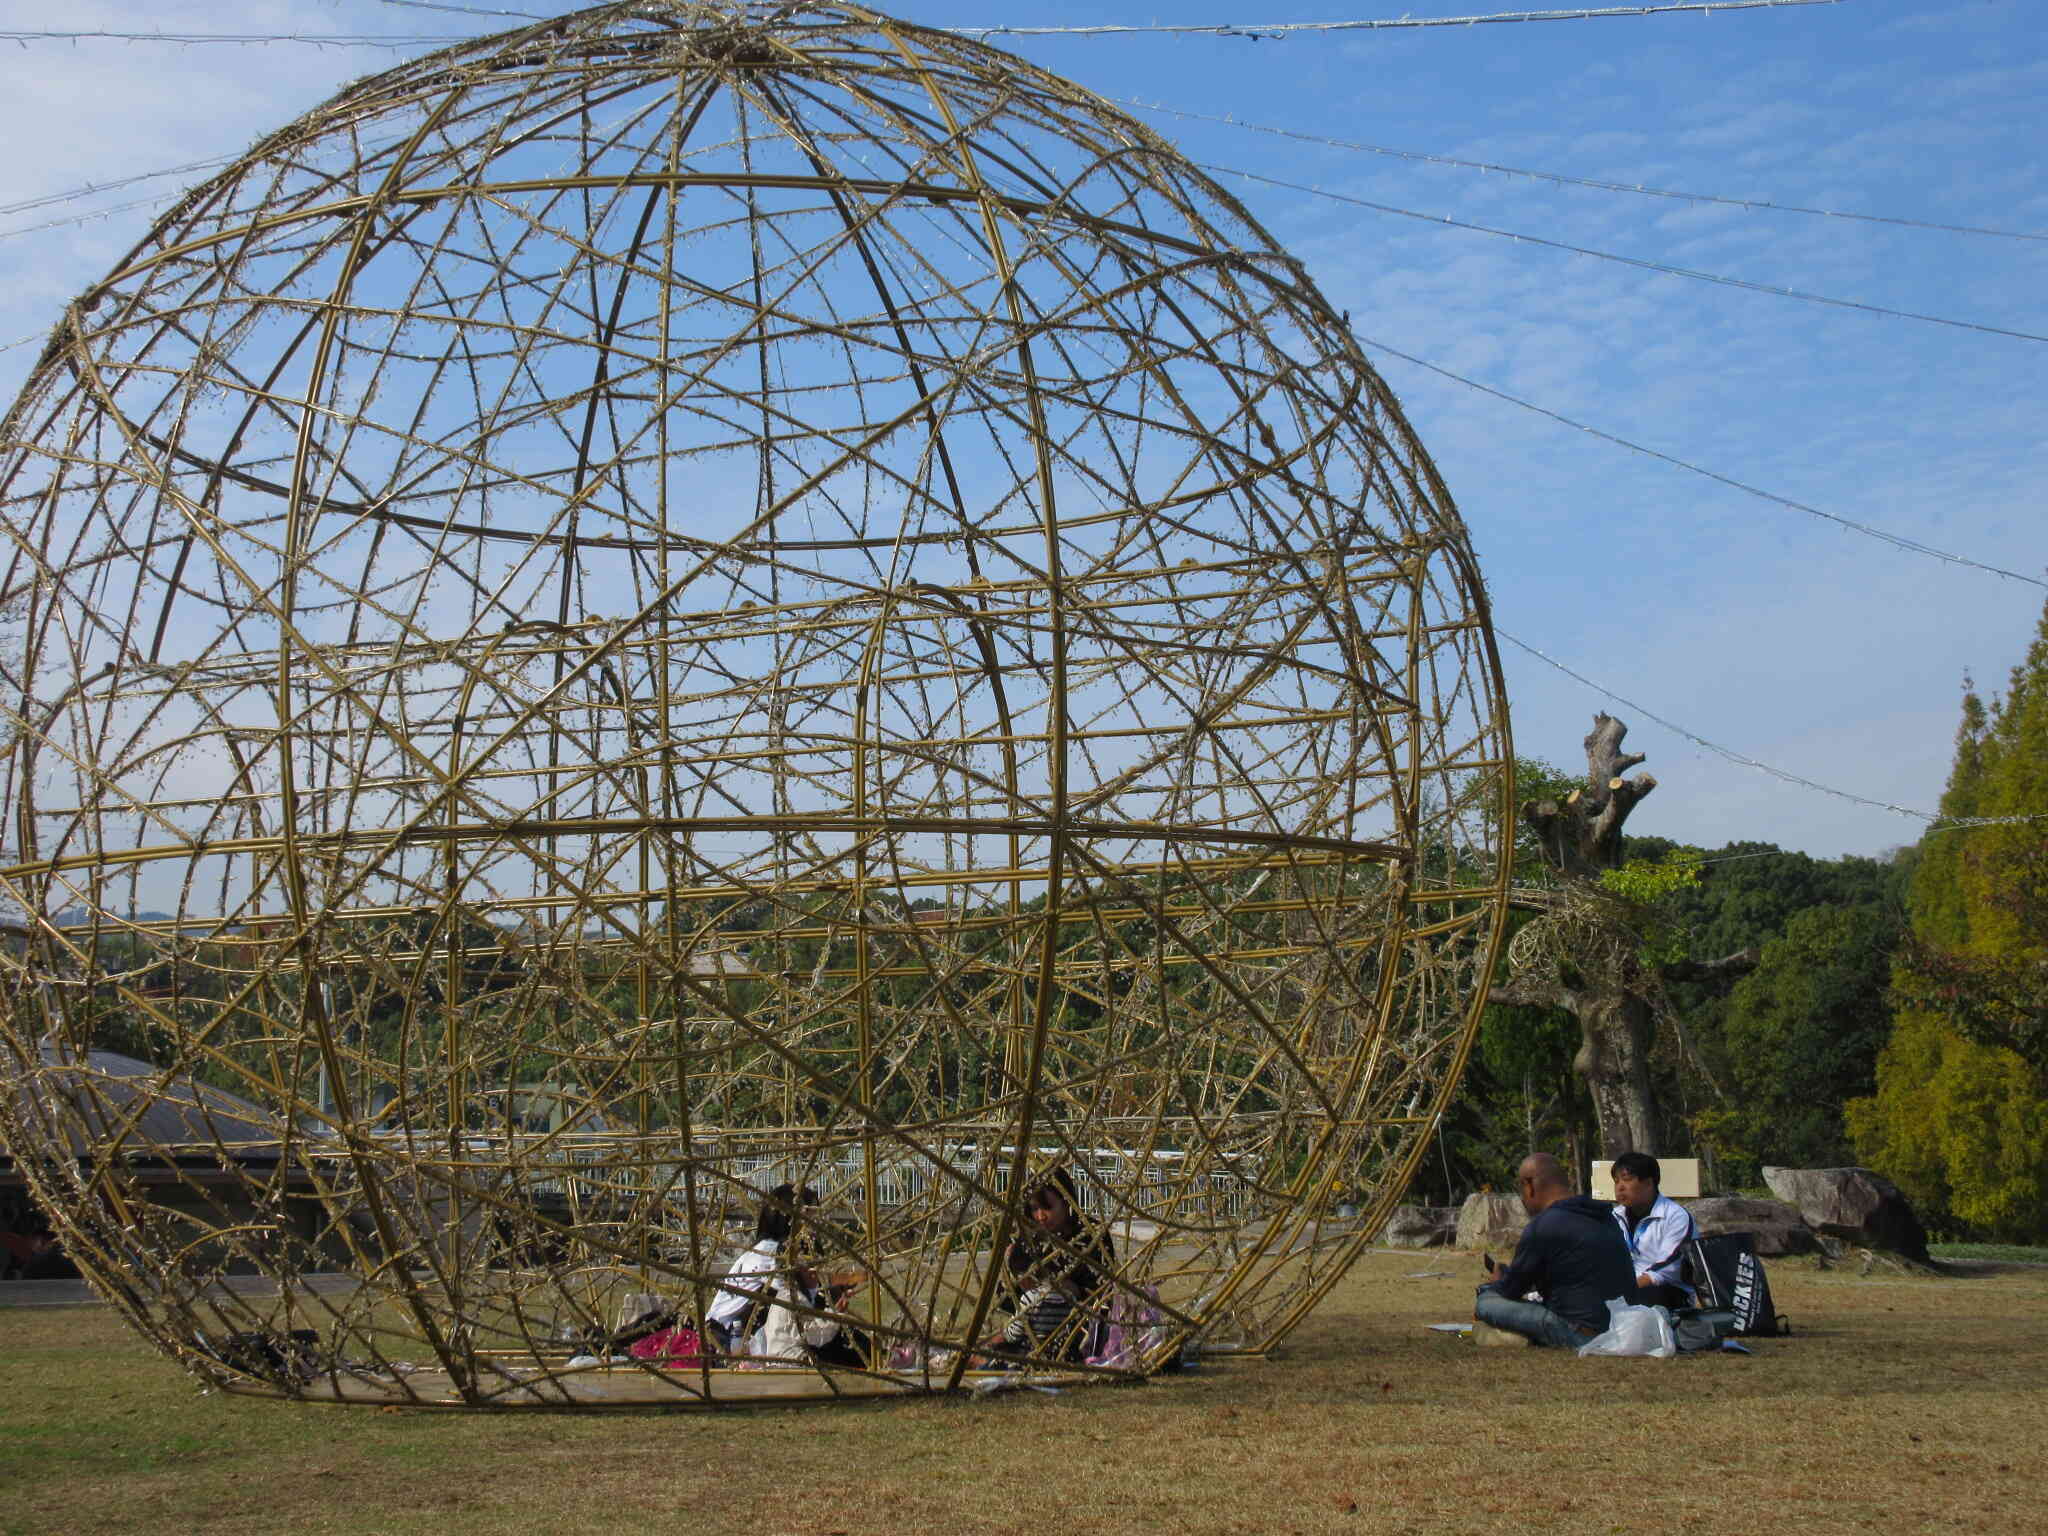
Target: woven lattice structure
x,y
698,596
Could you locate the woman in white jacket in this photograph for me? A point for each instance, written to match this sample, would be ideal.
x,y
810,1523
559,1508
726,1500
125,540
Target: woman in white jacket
x,y
768,1307
750,1281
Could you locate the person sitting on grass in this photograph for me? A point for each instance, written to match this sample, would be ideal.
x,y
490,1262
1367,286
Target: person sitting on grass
x,y
770,1305
1657,1229
1058,1268
796,1331
730,1319
1572,1256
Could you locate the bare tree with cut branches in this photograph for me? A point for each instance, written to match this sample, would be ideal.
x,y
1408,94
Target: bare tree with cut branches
x,y
1585,951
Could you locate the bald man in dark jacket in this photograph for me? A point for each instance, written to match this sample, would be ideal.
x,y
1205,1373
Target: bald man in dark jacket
x,y
1572,1254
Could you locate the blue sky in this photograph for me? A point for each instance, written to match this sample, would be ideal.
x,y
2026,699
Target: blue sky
x,y
1780,636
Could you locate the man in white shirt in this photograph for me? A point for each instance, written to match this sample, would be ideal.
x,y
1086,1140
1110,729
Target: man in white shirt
x,y
1657,1228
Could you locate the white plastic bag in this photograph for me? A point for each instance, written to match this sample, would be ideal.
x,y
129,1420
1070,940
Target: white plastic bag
x,y
1634,1330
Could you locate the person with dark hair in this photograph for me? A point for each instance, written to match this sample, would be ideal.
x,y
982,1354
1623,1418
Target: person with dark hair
x,y
750,1281
1057,1268
796,1330
1656,1228
1572,1257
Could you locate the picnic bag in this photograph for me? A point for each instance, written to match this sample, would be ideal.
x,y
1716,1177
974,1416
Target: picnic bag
x,y
1729,1277
1130,1334
1699,1328
676,1348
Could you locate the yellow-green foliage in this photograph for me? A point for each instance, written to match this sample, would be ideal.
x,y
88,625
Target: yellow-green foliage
x,y
1959,1126
1648,883
1936,898
1651,880
1959,1119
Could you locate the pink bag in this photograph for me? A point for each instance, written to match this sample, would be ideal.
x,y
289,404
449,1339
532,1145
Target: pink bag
x,y
1134,1328
677,1348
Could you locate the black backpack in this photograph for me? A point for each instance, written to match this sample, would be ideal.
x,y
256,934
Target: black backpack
x,y
1729,1277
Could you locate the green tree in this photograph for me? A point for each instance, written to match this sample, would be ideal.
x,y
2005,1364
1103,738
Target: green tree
x,y
1960,1112
1961,1127
1748,891
1940,914
1802,1036
1747,895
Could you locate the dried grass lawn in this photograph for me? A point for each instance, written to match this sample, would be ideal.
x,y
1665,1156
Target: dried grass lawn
x,y
1902,1403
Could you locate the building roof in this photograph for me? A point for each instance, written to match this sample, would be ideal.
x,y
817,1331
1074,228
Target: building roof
x,y
102,1104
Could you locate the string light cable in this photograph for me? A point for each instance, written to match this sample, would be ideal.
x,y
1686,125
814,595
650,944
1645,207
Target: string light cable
x,y
99,188
363,39
1896,540
464,10
1740,760
1561,178
1640,263
316,39
1277,31
156,200
1253,31
1424,157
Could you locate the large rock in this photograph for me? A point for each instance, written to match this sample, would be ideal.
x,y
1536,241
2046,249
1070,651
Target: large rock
x,y
1491,1222
1779,1229
1421,1226
1854,1204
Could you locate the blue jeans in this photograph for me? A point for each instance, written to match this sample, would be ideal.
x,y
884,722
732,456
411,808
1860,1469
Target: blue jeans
x,y
1531,1319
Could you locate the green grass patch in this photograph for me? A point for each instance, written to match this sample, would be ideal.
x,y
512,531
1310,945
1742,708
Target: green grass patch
x,y
2004,1253
1903,1402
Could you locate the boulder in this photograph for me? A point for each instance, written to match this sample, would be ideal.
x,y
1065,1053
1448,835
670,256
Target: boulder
x,y
1862,1208
1779,1229
1491,1222
1421,1226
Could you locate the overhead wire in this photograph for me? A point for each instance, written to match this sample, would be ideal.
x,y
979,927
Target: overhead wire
x,y
1276,31
90,190
1934,828
1419,156
1253,31
1742,760
464,10
157,199
1285,29
25,36
154,200
1519,236
1897,541
95,189
1561,178
1638,262
1760,853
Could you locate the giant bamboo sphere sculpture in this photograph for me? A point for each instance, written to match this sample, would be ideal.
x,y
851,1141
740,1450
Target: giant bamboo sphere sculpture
x,y
701,596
